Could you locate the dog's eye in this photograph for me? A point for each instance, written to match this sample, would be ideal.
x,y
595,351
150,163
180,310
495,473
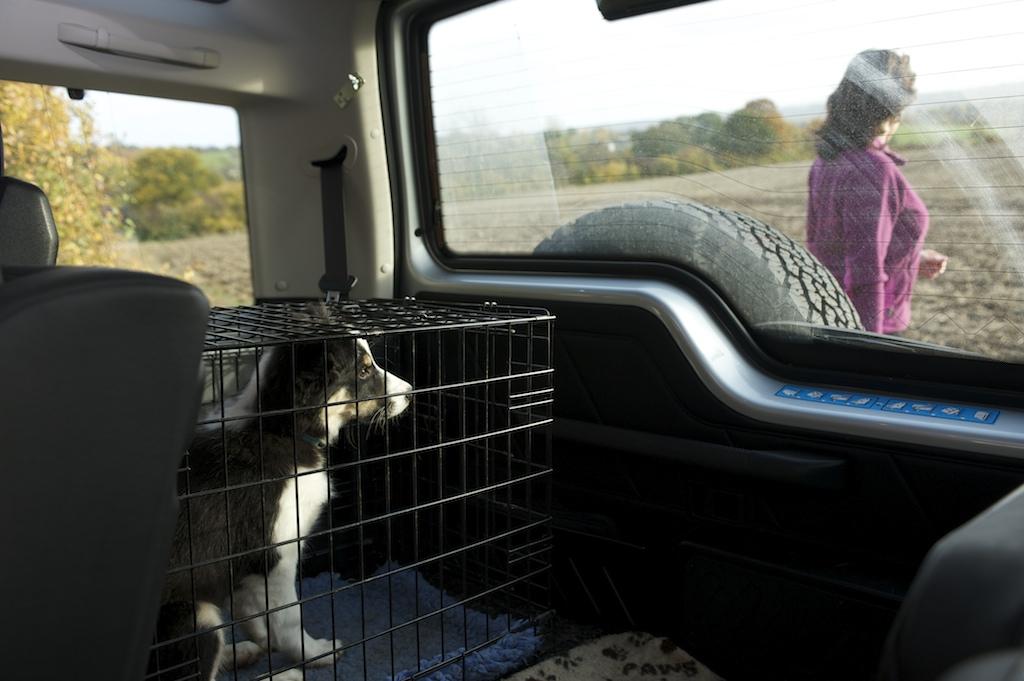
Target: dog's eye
x,y
365,372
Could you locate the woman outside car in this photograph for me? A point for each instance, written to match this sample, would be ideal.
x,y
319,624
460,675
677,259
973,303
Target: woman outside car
x,y
865,222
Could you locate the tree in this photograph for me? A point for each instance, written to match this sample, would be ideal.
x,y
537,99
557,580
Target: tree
x,y
52,144
169,175
750,133
173,194
664,139
681,146
589,155
706,129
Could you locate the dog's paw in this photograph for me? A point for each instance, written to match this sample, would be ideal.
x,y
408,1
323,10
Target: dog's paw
x,y
241,654
287,675
317,647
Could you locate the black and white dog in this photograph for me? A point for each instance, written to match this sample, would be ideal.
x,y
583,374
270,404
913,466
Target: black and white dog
x,y
261,482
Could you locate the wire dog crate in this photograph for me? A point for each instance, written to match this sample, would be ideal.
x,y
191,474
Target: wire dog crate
x,y
366,497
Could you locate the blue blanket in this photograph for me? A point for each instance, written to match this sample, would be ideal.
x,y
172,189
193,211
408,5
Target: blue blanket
x,y
364,610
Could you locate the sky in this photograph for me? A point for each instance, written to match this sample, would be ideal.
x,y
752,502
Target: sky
x,y
523,65
528,65
154,122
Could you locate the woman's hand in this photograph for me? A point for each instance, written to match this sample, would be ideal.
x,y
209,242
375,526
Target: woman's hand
x,y
933,264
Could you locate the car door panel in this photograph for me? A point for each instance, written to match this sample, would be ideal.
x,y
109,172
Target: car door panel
x,y
677,513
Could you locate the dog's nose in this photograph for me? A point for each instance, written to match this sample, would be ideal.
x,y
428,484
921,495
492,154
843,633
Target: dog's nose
x,y
399,402
393,384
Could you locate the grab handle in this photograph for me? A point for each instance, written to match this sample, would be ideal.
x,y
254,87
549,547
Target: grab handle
x,y
101,40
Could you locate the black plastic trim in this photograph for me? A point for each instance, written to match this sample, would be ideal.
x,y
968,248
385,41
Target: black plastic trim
x,y
794,467
613,10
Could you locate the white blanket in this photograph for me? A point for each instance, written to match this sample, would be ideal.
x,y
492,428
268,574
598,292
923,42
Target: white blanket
x,y
630,656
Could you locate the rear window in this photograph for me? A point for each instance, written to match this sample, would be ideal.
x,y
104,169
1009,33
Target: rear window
x,y
545,114
136,182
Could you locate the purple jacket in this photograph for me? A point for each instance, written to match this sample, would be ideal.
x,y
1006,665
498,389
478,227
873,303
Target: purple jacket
x,y
867,226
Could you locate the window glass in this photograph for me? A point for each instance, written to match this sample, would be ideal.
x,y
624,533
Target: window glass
x,y
136,182
908,193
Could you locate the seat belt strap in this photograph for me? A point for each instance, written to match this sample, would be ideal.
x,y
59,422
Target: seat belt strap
x,y
336,282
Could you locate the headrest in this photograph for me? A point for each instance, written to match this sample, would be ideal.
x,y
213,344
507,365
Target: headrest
x,y
966,600
28,235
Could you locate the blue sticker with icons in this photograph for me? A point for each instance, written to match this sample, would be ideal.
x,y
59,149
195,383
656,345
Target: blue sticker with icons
x,y
898,405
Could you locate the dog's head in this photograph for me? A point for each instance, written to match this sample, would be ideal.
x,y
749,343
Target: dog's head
x,y
329,384
358,389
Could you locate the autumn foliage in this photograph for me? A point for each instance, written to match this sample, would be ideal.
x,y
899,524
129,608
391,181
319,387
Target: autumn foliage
x,y
172,194
101,193
53,145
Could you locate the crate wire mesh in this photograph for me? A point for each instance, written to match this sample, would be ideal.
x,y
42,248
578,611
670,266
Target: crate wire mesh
x,y
429,547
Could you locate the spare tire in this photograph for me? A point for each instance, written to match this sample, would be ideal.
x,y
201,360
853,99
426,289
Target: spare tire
x,y
765,276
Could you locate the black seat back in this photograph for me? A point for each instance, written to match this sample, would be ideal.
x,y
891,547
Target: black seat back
x,y
966,601
1006,665
28,235
99,389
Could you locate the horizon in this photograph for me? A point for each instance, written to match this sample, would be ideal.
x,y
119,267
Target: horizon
x,y
144,137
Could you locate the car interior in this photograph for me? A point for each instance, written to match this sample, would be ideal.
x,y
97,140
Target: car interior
x,y
714,481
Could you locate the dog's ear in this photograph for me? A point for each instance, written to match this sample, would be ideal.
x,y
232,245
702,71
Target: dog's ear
x,y
317,310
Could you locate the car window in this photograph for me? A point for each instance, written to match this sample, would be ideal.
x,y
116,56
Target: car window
x,y
136,182
717,115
